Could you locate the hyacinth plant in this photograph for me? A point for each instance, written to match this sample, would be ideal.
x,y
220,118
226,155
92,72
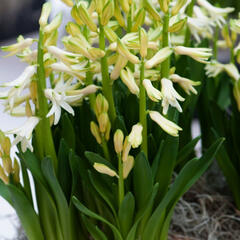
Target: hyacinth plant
x,y
101,138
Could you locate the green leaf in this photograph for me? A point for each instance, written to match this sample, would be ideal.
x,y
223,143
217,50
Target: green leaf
x,y
126,213
156,160
91,214
4,192
28,217
95,232
68,132
64,170
186,178
187,150
142,180
61,202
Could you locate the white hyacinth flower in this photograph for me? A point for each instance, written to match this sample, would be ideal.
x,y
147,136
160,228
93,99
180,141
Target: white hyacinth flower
x,y
24,133
153,93
216,13
232,71
214,68
18,47
199,54
135,137
185,83
167,125
170,96
235,25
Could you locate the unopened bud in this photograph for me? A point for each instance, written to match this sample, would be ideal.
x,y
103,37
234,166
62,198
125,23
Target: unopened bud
x,y
86,18
107,13
118,141
139,20
6,146
16,171
110,34
125,5
51,39
178,26
7,164
101,104
28,109
152,11
3,176
108,130
118,14
75,15
46,10
103,120
73,29
226,36
178,6
68,2
127,166
143,38
105,169
96,53
126,149
95,132
164,5
120,64
56,22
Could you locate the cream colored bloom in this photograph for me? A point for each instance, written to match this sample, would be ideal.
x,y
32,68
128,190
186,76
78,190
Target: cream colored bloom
x,y
128,166
170,96
214,68
167,125
235,25
54,24
153,93
128,79
24,133
105,169
199,54
118,141
185,83
232,71
135,137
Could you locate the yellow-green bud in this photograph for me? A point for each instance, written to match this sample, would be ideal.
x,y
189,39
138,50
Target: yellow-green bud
x,y
103,121
118,141
152,11
3,176
46,10
226,36
105,169
96,53
101,104
143,38
86,18
164,5
108,130
126,149
6,146
56,22
2,137
99,5
95,132
178,6
127,166
107,13
28,109
16,171
178,26
118,14
125,5
73,29
139,20
75,15
68,2
7,164
51,39
119,65
110,34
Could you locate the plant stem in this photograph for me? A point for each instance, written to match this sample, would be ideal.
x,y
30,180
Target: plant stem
x,y
188,33
105,149
142,110
43,132
106,84
89,81
120,180
215,48
165,43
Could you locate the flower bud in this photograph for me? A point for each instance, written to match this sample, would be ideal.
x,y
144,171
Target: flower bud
x,y
6,146
96,53
135,137
28,109
164,5
103,121
120,64
226,36
143,38
46,10
153,93
3,176
139,20
128,79
122,49
118,14
126,149
125,5
105,169
110,34
107,13
16,171
73,29
159,57
95,132
107,132
55,23
127,166
86,18
178,26
75,15
118,141
7,164
101,104
178,6
68,2
152,11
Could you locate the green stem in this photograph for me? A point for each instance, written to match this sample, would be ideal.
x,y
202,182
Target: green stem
x,y
215,48
106,83
120,180
187,41
105,149
43,132
89,81
142,110
165,67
